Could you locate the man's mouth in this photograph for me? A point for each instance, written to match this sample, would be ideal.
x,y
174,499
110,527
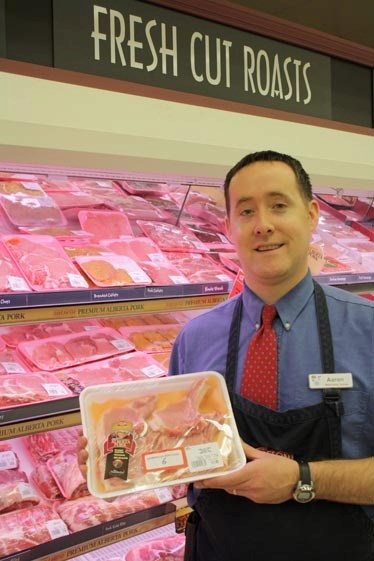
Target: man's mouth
x,y
272,247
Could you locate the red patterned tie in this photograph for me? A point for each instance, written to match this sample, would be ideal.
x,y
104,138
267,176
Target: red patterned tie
x,y
260,380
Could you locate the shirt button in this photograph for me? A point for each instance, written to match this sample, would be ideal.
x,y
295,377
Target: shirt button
x,y
287,326
257,326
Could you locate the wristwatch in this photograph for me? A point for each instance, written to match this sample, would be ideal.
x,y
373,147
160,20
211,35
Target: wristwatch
x,y
304,491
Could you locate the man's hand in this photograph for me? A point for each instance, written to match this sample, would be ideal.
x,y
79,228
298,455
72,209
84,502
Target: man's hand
x,y
82,455
266,478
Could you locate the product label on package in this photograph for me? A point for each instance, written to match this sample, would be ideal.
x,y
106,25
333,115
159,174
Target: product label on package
x,y
202,457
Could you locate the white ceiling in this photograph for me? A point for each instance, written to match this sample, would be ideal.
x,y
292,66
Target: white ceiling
x,y
352,20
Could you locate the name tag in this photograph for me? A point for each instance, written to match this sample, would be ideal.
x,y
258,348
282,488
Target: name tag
x,y
336,380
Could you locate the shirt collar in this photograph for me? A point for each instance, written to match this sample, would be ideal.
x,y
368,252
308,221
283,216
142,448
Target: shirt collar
x,y
288,307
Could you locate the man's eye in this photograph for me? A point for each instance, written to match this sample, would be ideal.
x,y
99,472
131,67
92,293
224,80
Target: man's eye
x,y
280,206
246,212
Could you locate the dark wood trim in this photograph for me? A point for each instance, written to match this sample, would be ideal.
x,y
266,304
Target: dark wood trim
x,y
241,17
111,84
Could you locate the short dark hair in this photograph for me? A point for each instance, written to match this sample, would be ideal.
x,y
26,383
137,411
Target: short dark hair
x,y
302,177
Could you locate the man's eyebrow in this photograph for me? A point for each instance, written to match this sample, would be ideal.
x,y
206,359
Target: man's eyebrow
x,y
270,195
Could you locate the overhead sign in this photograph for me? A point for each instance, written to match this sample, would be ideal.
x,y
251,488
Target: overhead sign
x,y
140,42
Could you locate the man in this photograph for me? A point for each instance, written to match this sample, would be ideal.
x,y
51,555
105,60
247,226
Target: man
x,y
308,486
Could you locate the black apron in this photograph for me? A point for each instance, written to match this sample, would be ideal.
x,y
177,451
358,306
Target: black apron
x,y
225,527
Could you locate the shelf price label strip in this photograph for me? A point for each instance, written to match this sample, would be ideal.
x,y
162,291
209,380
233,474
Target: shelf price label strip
x,y
23,428
107,309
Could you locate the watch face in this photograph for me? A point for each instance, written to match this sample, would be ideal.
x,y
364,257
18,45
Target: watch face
x,y
304,494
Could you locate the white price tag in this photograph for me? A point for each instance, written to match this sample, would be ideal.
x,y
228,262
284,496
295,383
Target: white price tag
x,y
57,528
157,258
25,490
202,457
17,283
77,281
224,277
55,390
164,494
168,459
122,344
152,370
177,279
13,368
139,276
8,460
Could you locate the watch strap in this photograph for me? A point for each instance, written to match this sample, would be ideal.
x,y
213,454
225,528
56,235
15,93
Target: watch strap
x,y
305,475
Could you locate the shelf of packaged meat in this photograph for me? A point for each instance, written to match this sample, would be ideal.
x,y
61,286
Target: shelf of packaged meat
x,y
47,512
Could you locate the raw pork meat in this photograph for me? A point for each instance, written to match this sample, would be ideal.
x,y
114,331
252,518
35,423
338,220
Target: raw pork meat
x,y
65,470
147,437
10,278
18,389
15,494
44,445
29,527
45,482
44,263
105,224
171,238
69,350
198,268
168,548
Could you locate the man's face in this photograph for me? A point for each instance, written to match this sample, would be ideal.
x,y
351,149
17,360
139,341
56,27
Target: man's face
x,y
270,224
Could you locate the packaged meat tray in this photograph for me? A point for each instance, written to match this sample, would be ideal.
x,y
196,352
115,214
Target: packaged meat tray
x,y
12,335
11,363
129,366
136,208
29,527
138,248
22,188
26,211
63,351
43,262
151,339
169,547
105,224
18,389
146,319
144,187
199,268
152,433
171,238
112,270
163,273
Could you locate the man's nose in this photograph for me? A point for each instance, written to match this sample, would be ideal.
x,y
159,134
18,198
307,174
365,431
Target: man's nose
x,y
263,223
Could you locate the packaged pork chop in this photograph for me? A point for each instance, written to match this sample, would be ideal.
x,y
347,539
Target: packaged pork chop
x,y
151,433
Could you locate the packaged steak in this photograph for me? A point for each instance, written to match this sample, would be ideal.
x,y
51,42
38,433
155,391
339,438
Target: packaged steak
x,y
105,224
129,366
54,353
170,548
25,211
11,278
28,527
44,263
15,334
171,238
42,446
20,389
152,433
